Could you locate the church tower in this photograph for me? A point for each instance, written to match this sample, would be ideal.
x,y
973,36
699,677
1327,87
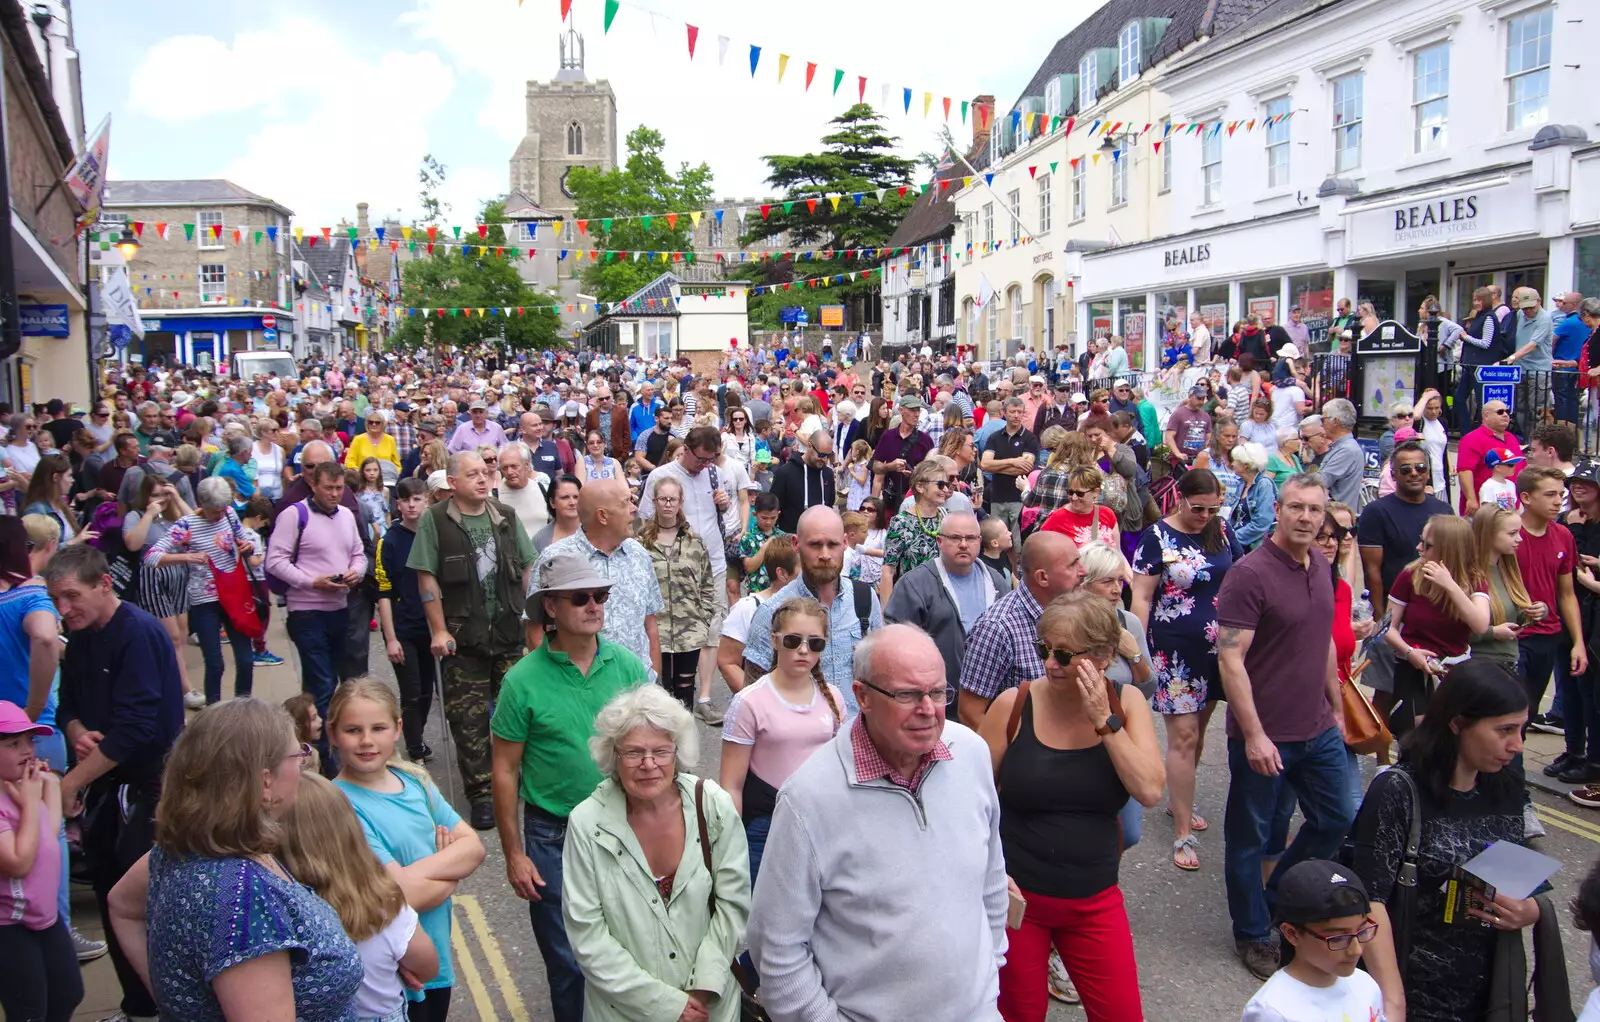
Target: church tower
x,y
572,122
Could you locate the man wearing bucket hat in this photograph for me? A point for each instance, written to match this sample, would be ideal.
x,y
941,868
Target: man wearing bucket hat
x,y
542,724
901,450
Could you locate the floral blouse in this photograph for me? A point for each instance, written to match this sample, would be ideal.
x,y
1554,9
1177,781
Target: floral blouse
x,y
912,541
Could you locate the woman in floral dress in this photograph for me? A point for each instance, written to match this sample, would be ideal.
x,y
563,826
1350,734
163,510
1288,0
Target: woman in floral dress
x,y
914,532
1178,570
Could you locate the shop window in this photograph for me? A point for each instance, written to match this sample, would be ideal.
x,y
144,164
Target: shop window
x,y
1586,266
1133,327
1430,97
1100,320
655,339
1212,304
1347,113
1528,69
213,282
1313,294
1047,302
1014,302
1278,142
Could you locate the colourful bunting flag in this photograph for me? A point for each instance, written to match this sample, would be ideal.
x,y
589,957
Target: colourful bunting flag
x,y
611,13
861,88
963,111
811,72
694,35
755,58
783,65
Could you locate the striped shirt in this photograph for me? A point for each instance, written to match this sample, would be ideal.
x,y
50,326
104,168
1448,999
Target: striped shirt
x,y
195,534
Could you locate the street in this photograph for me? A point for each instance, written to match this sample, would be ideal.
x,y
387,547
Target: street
x,y
1187,968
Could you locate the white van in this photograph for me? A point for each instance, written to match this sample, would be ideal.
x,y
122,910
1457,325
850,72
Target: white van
x,y
249,364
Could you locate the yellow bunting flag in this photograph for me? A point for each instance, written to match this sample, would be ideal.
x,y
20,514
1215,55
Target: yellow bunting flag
x,y
834,199
783,65
694,217
927,103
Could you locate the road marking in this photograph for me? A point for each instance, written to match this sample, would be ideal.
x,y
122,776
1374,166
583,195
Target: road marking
x,y
467,969
497,961
1571,824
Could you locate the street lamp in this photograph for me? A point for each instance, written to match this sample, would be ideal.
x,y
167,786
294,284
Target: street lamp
x,y
128,245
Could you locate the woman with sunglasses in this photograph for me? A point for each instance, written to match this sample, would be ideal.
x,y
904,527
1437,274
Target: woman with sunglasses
x,y
774,725
914,533
596,463
738,439
1069,750
683,570
1178,571
1456,759
1084,519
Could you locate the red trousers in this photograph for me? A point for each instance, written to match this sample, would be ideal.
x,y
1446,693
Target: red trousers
x,y
1096,946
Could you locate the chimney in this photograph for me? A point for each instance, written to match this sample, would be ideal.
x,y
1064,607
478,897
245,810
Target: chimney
x,y
980,121
361,220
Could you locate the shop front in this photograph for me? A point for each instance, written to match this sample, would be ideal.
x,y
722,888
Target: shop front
x,y
205,341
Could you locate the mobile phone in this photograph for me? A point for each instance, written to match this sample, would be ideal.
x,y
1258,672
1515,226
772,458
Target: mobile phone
x,y
335,580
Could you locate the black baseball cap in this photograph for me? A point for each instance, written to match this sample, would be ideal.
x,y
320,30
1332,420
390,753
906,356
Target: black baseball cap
x,y
1585,471
1319,889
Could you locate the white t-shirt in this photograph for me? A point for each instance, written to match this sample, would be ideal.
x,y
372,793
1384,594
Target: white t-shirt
x,y
1498,491
381,993
736,625
1285,999
1286,398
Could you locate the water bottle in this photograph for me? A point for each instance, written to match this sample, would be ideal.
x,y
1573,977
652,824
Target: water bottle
x,y
1361,608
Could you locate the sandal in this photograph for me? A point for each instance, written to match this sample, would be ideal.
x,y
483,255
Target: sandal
x,y
1190,844
1197,823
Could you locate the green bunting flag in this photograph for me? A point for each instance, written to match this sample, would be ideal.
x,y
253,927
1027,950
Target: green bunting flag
x,y
838,76
646,220
188,232
605,225
963,111
258,237
611,13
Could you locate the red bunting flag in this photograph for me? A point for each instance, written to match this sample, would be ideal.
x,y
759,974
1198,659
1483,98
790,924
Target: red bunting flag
x,y
811,205
566,8
1032,171
765,210
694,35
861,88
483,232
947,108
1070,122
1232,126
1157,146
902,190
583,226
672,221
433,235
216,231
138,228
326,231
811,72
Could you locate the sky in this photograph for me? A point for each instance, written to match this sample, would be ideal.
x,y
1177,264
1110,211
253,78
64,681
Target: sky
x,y
322,105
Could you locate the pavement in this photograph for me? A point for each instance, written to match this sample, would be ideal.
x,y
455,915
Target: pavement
x,y
1182,937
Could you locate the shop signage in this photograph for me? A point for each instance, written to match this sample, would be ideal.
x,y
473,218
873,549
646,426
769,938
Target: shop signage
x,y
1389,337
1187,256
831,315
44,321
1499,374
1487,210
1043,257
1436,219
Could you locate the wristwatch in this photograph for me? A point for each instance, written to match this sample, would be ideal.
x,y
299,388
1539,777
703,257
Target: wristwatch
x,y
1137,658
1112,725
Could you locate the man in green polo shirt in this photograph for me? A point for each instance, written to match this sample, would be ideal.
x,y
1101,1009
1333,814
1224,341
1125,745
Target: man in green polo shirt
x,y
542,724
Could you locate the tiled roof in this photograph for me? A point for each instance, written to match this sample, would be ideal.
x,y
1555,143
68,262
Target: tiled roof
x,y
659,289
325,263
1240,20
181,193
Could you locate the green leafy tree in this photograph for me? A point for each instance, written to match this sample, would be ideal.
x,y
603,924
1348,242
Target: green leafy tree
x,y
642,186
856,157
431,177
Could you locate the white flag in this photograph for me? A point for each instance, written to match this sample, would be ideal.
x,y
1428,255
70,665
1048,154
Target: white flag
x,y
722,49
985,291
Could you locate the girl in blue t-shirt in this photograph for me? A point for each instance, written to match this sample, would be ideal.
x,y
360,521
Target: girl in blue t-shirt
x,y
418,837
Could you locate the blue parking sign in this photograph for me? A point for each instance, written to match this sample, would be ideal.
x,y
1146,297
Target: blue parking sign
x,y
1504,392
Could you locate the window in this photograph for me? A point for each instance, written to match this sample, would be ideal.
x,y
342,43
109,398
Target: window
x,y
1049,298
1166,158
1044,203
1052,96
996,136
714,234
1528,69
1211,167
213,282
1087,78
1430,96
1014,301
1128,53
1278,147
205,220
574,139
988,224
1014,201
1119,180
994,318
1080,200
1347,122
655,339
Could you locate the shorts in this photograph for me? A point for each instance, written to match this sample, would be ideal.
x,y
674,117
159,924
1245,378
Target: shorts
x,y
1009,512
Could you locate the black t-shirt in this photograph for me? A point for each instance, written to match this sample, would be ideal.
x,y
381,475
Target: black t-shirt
x,y
1003,490
61,431
1396,526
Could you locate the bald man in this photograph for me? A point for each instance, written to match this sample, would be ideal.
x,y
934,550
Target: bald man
x,y
1000,651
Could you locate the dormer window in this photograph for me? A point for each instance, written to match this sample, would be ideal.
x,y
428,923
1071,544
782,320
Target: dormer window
x,y
1087,77
1052,97
1128,54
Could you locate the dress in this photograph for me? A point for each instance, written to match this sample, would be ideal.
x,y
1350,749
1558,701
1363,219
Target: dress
x,y
1183,615
912,541
860,476
207,915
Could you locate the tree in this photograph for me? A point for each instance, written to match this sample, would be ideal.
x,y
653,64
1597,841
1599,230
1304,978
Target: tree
x,y
641,187
857,158
431,177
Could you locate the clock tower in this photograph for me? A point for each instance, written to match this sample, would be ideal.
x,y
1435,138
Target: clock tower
x,y
572,122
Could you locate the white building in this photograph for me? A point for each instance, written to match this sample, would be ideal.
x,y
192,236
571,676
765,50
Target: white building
x,y
1419,148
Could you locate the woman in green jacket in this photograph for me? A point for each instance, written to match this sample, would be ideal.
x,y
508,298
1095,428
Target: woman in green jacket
x,y
654,917
1285,461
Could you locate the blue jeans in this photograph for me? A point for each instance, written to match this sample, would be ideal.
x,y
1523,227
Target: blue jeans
x,y
542,839
207,621
1466,397
1315,770
1283,810
52,751
319,637
1131,816
1536,662
755,835
1565,384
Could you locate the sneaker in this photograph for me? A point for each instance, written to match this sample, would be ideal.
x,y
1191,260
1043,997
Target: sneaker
x,y
1259,956
267,658
1560,763
1532,826
708,714
194,640
194,700
421,754
1588,796
1579,771
87,950
483,815
1547,724
1060,984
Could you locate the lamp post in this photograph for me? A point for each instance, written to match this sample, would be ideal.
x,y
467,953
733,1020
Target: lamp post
x,y
128,245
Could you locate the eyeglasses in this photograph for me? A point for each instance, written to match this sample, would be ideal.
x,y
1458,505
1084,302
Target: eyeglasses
x,y
302,753
702,460
1310,436
1302,509
1203,509
636,757
912,696
581,598
1340,941
1081,493
1064,657
1410,470
815,643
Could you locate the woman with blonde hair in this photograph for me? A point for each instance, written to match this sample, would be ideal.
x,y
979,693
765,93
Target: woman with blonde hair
x,y
1437,604
1429,418
434,459
162,592
47,495
914,533
1048,489
683,571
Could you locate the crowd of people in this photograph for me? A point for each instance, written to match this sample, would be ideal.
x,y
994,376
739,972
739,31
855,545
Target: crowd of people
x,y
955,625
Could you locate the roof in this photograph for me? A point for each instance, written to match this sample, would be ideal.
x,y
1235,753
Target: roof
x,y
213,191
325,264
933,216
519,207
660,288
37,76
1243,26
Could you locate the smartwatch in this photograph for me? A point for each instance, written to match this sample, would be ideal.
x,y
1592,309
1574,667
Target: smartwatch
x,y
1112,725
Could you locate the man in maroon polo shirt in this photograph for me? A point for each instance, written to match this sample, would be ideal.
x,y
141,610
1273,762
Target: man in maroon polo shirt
x,y
1283,719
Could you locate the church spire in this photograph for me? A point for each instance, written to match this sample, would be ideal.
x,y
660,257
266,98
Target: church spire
x,y
571,57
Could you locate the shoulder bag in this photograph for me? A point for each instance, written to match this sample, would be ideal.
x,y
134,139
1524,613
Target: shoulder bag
x,y
1402,902
750,1009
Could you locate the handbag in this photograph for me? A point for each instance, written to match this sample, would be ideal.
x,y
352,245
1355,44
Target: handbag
x,y
1402,902
237,598
1363,729
750,1009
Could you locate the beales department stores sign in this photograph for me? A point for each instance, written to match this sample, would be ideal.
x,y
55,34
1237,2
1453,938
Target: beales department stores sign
x,y
1493,209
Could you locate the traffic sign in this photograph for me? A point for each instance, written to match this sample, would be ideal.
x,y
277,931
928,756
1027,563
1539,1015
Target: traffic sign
x,y
269,335
1499,374
268,322
1503,392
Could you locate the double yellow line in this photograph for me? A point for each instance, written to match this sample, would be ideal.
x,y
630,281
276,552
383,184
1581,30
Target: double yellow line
x,y
471,931
1569,823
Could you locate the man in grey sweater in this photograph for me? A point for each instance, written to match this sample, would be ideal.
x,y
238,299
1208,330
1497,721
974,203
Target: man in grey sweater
x,y
883,892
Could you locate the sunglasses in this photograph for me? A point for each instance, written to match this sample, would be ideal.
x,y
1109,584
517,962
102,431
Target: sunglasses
x,y
1064,657
1203,509
1080,493
581,599
1410,470
815,643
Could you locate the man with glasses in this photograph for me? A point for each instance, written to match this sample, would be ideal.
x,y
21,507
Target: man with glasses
x,y
806,481
1284,711
543,720
1494,434
945,596
893,802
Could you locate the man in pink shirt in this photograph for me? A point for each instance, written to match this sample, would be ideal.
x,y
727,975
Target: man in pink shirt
x,y
1470,467
1036,398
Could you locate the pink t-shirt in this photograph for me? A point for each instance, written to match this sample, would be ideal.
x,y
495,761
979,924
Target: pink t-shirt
x,y
1469,458
31,900
780,734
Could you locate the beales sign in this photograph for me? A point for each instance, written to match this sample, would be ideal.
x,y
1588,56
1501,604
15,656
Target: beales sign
x,y
1186,256
1436,219
1469,215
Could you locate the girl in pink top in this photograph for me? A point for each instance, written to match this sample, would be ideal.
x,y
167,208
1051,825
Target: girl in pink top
x,y
774,726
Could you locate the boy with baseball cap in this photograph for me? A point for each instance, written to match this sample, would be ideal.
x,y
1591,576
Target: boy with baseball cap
x,y
1322,912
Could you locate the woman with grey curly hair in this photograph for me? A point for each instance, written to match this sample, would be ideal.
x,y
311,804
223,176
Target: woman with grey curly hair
x,y
655,861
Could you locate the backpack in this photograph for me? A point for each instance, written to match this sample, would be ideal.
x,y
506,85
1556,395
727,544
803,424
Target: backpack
x,y
277,585
863,599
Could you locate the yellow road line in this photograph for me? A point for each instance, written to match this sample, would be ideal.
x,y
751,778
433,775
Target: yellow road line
x,y
1574,824
497,961
467,970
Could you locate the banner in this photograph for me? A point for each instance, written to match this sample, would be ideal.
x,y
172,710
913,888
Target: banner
x,y
122,312
86,178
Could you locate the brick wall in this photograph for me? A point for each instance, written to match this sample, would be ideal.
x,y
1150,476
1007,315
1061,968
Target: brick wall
x,y
174,264
35,166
